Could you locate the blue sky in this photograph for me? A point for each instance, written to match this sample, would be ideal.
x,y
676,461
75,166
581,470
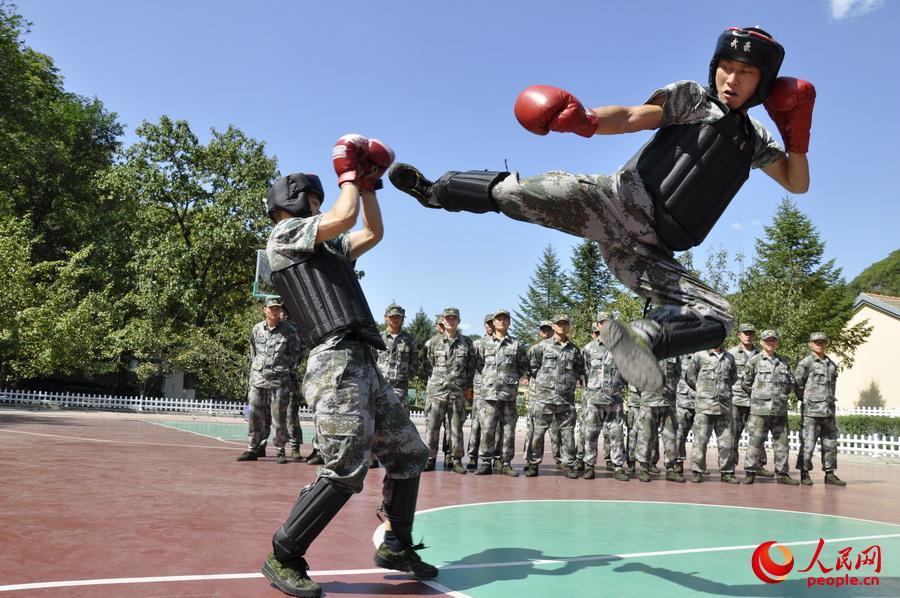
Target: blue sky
x,y
437,82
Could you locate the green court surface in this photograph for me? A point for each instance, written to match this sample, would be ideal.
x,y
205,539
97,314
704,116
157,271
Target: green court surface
x,y
625,548
221,431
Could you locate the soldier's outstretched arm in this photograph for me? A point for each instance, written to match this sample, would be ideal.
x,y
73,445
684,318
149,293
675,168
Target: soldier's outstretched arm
x,y
342,215
373,229
615,120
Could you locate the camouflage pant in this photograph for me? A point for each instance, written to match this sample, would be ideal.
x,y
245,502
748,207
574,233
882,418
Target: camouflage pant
x,y
684,417
555,442
824,429
655,423
402,393
498,416
704,425
609,419
295,432
449,412
631,422
758,427
356,414
739,414
475,430
617,212
268,408
543,416
579,430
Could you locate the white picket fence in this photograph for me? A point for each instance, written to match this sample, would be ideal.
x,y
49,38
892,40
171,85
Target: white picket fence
x,y
882,411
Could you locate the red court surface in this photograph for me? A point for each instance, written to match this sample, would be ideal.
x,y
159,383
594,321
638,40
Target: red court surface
x,y
101,496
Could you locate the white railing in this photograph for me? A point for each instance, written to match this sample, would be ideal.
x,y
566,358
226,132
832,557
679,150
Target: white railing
x,y
882,411
875,445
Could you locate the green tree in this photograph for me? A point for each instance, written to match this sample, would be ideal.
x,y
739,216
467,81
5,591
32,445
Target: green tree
x,y
545,297
870,396
791,288
589,286
882,277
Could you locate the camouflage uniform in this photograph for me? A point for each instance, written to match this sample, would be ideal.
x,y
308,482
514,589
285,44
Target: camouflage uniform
x,y
557,368
712,374
450,363
354,409
602,404
501,362
295,432
274,354
684,410
398,362
617,211
816,379
768,381
656,418
740,400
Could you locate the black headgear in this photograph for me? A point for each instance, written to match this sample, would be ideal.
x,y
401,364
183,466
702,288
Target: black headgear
x,y
753,46
291,194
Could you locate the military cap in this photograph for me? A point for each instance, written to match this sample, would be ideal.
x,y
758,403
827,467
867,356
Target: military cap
x,y
769,334
488,318
394,310
818,336
747,328
503,312
273,302
561,318
545,324
602,316
451,311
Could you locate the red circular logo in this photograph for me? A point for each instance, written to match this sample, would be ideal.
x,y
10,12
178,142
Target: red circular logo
x,y
768,570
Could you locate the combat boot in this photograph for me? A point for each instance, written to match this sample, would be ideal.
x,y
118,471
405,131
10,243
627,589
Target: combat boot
x,y
483,469
296,455
729,478
749,477
280,458
315,458
673,475
248,456
507,469
805,479
455,191
621,475
291,579
429,465
831,479
610,466
497,464
765,473
407,560
531,471
631,467
448,462
472,464
696,477
589,473
644,474
457,467
571,473
787,480
579,464
560,466
679,467
653,468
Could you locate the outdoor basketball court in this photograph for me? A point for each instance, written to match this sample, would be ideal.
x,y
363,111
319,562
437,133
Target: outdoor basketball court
x,y
102,504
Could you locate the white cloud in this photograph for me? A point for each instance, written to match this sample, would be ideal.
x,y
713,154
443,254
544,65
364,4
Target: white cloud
x,y
843,9
738,226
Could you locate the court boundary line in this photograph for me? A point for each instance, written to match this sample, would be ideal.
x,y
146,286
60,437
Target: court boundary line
x,y
219,438
432,584
107,441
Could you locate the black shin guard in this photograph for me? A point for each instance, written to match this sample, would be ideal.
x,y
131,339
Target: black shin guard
x,y
314,509
400,506
687,335
468,191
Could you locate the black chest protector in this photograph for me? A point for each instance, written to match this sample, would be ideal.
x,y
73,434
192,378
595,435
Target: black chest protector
x,y
323,296
693,172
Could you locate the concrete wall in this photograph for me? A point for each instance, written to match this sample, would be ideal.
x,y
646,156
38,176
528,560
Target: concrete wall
x,y
878,359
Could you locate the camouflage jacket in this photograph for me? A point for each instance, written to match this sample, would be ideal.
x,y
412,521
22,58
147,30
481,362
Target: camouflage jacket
x,y
450,365
769,381
500,363
712,374
556,369
400,360
274,354
816,379
604,383
666,396
684,394
741,357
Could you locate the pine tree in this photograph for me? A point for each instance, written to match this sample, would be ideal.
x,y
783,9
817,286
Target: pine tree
x,y
421,328
544,298
590,286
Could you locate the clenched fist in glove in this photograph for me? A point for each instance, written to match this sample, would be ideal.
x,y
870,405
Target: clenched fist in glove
x,y
542,108
790,105
346,156
372,167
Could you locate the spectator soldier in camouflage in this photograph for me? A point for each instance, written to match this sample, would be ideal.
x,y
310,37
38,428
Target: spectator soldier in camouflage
x,y
712,374
816,376
475,430
740,400
603,407
684,412
356,413
556,365
768,380
400,359
450,363
545,331
275,351
656,419
501,360
665,199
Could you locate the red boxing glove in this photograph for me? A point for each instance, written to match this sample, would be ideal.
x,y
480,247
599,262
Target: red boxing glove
x,y
346,156
378,159
542,108
790,105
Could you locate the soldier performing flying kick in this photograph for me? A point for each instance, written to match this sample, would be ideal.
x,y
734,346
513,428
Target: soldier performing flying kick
x,y
356,411
665,199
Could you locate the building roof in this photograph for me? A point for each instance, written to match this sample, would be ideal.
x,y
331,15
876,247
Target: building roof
x,y
884,303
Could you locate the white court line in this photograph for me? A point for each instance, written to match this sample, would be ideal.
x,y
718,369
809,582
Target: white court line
x,y
200,434
82,439
436,585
